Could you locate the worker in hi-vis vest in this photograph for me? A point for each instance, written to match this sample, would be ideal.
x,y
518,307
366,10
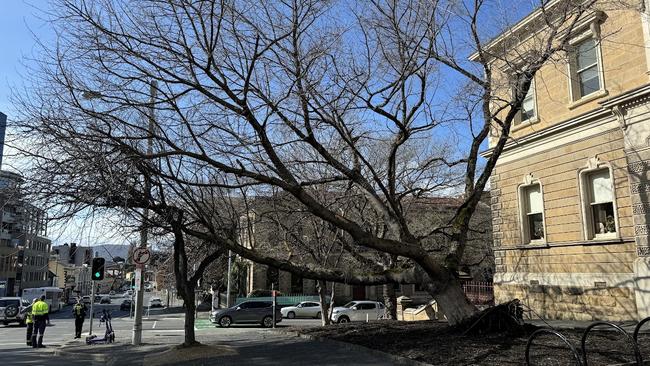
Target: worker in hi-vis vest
x,y
29,321
40,315
79,312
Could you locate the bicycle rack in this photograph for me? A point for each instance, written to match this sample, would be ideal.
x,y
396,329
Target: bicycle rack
x,y
638,328
557,334
637,354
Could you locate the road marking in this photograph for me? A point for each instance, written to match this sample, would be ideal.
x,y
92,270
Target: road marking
x,y
13,344
154,325
168,330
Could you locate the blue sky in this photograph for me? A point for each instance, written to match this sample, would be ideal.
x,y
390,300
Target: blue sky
x,y
20,20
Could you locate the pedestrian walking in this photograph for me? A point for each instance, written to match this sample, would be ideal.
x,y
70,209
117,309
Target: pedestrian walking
x,y
41,317
79,312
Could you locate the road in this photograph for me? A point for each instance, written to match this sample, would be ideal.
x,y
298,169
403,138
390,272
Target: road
x,y
157,325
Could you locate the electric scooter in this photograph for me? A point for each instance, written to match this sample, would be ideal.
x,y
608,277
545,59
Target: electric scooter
x,y
109,334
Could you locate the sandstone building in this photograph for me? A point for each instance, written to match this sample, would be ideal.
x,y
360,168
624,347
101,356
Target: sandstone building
x,y
570,191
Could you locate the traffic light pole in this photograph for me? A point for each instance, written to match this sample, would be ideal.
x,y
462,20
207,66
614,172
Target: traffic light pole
x,y
92,301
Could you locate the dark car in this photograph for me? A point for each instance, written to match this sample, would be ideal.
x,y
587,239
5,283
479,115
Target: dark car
x,y
126,305
249,312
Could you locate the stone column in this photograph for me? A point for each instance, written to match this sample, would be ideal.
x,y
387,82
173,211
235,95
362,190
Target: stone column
x,y
403,302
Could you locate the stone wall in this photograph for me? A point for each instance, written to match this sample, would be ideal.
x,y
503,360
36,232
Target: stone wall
x,y
571,302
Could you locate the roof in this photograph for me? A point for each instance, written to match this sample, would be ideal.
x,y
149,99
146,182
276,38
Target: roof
x,y
520,25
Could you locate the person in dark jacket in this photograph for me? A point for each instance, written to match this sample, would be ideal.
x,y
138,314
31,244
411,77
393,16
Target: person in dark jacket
x,y
79,312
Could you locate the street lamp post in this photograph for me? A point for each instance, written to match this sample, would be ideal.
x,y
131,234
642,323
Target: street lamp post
x,y
137,323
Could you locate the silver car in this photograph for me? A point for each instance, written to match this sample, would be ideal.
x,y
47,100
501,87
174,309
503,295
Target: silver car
x,y
358,311
306,309
249,312
12,310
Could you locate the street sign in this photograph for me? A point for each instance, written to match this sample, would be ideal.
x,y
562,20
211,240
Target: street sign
x,y
138,276
141,256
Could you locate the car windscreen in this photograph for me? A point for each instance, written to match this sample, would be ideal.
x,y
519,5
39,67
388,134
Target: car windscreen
x,y
350,304
5,303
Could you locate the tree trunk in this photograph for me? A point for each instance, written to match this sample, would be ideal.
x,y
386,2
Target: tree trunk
x,y
190,308
452,301
390,301
321,286
331,310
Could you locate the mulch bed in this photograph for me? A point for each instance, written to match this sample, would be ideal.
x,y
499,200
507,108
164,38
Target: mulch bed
x,y
437,344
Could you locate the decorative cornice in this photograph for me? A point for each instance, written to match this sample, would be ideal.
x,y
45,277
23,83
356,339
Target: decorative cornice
x,y
616,106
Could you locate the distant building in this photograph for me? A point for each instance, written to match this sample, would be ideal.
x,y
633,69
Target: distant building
x,y
24,247
423,212
73,254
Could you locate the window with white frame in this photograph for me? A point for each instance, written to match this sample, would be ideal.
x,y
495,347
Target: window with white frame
x,y
528,111
532,205
586,77
600,216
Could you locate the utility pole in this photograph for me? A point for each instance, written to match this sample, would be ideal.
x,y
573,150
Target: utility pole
x,y
137,323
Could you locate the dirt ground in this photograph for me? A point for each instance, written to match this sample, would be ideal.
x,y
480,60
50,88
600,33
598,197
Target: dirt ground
x,y
435,343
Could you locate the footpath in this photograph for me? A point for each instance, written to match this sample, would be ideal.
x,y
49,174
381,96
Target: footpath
x,y
232,346
247,346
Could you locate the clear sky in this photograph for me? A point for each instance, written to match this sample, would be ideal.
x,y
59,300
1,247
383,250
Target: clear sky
x,y
20,21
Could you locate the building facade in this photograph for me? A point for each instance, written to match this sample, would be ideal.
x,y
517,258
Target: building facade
x,y
570,191
24,247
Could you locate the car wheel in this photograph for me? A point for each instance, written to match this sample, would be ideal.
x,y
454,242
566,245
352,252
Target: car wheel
x,y
225,322
291,315
318,315
267,322
11,311
343,319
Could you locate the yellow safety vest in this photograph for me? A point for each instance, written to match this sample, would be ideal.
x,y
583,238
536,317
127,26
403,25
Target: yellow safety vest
x,y
29,319
40,308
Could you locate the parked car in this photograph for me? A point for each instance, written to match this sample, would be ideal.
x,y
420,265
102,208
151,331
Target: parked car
x,y
155,302
358,311
306,309
12,310
86,300
248,312
126,304
111,293
128,293
98,298
105,300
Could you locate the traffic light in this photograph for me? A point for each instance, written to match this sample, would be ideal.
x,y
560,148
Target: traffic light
x,y
98,269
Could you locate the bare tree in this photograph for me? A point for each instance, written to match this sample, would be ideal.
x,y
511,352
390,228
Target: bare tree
x,y
290,95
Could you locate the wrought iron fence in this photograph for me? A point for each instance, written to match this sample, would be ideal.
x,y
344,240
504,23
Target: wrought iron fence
x,y
479,293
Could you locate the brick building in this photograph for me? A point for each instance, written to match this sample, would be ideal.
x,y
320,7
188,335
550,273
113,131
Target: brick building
x,y
570,190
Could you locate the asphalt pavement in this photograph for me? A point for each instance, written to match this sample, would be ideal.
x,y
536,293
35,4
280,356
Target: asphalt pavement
x,y
162,330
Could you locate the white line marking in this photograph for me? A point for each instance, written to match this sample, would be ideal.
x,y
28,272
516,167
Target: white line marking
x,y
154,325
169,330
13,344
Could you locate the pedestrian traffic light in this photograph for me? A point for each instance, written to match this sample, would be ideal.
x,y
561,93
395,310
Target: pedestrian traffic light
x,y
98,269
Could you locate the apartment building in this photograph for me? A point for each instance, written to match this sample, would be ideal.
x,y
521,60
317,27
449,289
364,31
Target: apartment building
x,y
24,247
570,191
